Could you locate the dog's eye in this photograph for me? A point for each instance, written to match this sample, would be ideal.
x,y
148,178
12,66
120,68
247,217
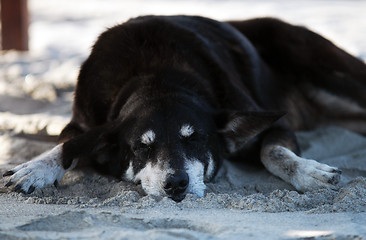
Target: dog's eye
x,y
142,149
190,139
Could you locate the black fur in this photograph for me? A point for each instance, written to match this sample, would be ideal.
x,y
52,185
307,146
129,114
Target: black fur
x,y
214,71
232,81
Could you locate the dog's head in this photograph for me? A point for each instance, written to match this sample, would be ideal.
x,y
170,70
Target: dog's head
x,y
172,143
173,150
173,147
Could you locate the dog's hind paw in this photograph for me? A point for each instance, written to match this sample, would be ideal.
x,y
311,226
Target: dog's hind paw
x,y
44,170
312,175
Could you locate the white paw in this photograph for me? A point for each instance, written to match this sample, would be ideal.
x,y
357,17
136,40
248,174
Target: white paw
x,y
312,175
44,170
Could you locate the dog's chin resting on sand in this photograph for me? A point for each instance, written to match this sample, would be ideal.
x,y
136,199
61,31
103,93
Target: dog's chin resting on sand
x,y
163,100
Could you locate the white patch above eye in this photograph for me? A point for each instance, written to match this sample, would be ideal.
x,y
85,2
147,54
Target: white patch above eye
x,y
186,130
148,137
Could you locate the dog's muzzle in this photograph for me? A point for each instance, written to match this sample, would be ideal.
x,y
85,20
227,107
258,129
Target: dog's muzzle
x,y
176,185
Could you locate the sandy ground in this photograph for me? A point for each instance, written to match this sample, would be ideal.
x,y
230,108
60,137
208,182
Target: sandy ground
x,y
242,203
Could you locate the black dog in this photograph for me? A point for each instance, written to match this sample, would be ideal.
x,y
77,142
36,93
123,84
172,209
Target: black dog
x,y
162,100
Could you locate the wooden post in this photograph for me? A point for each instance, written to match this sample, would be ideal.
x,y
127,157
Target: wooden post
x,y
14,24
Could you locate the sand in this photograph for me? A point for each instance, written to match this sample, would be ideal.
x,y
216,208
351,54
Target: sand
x,y
243,202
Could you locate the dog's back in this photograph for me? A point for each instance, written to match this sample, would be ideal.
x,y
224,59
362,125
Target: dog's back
x,y
317,83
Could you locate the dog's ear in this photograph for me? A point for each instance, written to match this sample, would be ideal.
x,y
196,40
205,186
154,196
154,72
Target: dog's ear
x,y
92,142
105,141
237,128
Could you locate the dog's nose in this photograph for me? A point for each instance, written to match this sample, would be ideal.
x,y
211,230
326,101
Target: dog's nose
x,y
176,185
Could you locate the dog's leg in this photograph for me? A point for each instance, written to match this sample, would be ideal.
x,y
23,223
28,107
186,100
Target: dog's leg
x,y
46,169
278,156
50,167
43,170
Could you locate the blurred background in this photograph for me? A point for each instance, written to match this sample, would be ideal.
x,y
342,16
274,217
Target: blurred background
x,y
36,85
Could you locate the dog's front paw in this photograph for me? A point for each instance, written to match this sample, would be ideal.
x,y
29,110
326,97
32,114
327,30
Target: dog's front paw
x,y
312,175
38,173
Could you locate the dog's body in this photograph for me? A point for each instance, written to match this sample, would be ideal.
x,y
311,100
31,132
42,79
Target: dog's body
x,y
163,100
